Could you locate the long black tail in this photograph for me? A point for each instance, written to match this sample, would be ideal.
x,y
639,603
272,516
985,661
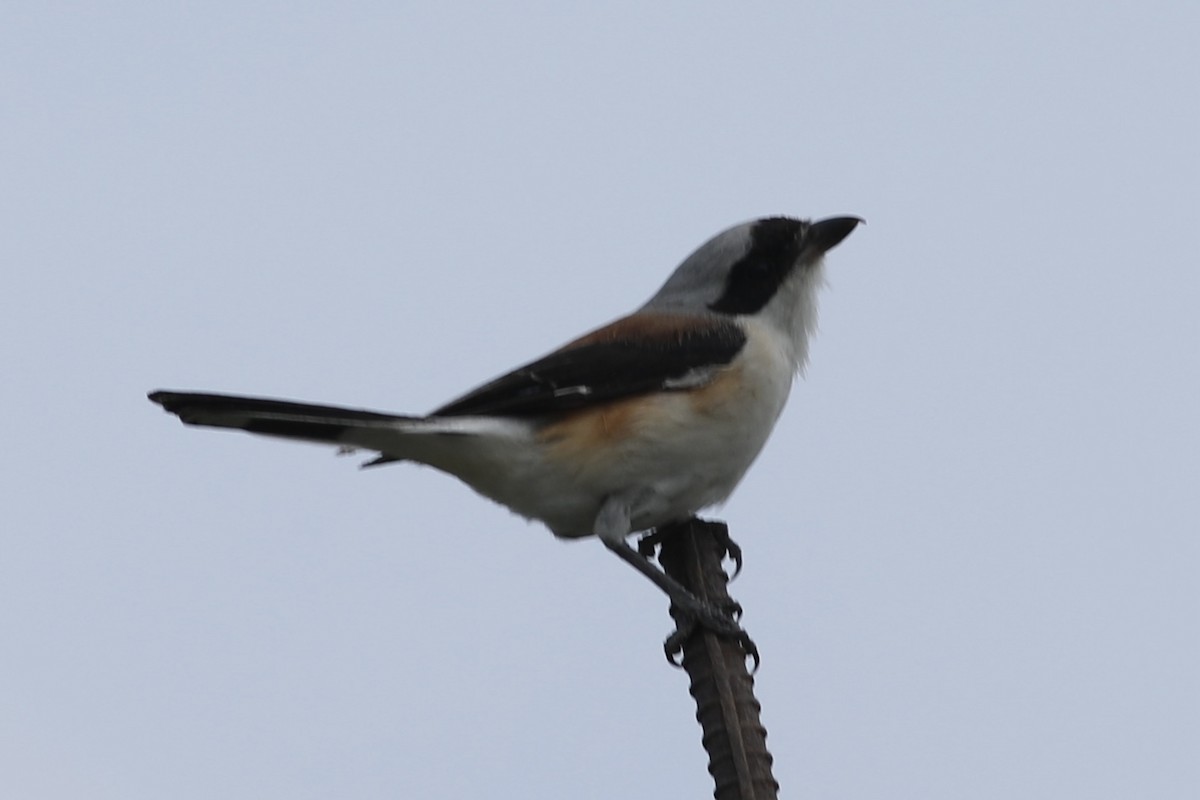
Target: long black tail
x,y
314,423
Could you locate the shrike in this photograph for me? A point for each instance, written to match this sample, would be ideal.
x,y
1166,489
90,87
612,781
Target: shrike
x,y
637,424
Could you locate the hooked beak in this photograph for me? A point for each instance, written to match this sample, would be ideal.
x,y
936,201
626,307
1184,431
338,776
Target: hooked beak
x,y
826,234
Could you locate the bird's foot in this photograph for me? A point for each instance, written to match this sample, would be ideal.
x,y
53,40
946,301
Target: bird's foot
x,y
693,615
649,543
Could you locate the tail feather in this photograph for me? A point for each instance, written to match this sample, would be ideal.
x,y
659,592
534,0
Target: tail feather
x,y
448,443
285,418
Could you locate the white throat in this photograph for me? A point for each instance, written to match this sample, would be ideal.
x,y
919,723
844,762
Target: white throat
x,y
792,312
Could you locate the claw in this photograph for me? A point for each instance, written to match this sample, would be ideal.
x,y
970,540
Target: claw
x,y
673,646
734,608
733,551
648,545
714,621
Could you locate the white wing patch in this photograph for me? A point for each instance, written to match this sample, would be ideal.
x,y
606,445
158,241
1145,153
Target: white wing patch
x,y
691,379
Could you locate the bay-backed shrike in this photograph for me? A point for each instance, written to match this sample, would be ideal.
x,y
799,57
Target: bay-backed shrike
x,y
637,424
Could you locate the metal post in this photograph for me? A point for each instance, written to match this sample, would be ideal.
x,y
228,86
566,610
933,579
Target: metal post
x,y
721,684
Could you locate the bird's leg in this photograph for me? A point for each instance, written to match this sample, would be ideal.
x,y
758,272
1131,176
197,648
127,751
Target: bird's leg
x,y
612,527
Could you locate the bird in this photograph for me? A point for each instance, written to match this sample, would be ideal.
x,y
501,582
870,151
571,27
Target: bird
x,y
633,426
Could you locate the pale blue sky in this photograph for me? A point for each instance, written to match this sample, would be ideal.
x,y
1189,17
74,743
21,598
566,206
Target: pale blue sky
x,y
971,546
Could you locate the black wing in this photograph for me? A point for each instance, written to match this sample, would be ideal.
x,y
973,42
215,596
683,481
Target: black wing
x,y
634,355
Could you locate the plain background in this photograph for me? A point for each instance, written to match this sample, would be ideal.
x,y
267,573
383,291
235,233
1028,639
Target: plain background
x,y
971,546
